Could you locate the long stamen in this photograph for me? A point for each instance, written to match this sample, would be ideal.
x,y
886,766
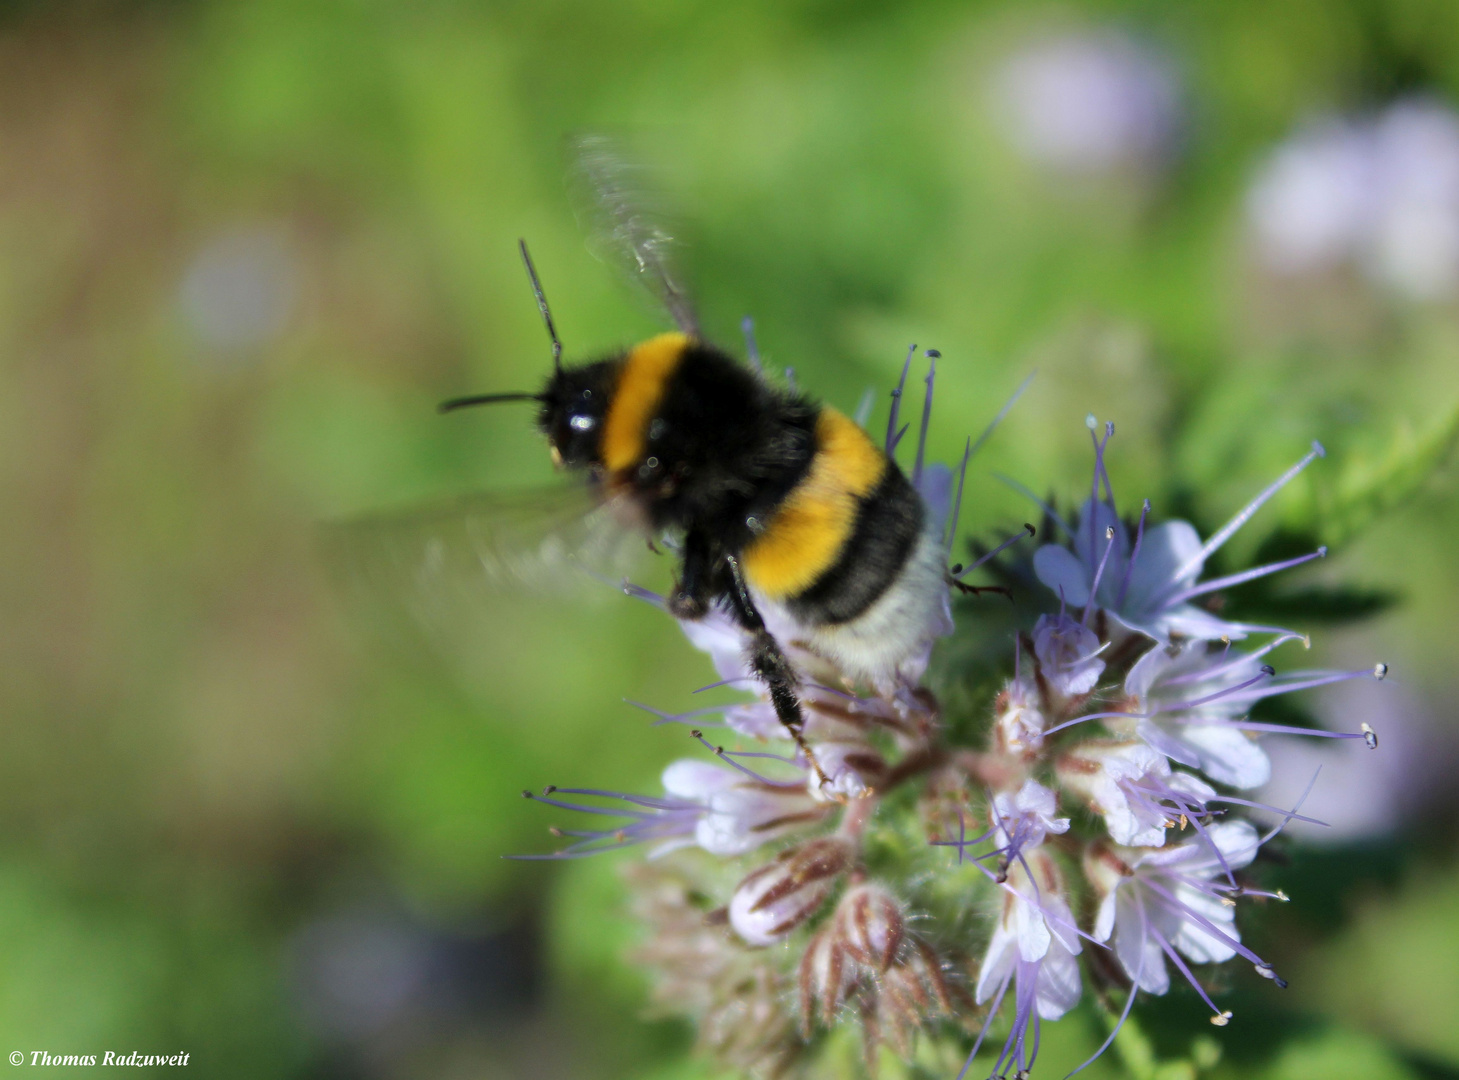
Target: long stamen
x,y
1053,515
992,1012
1225,532
894,436
962,572
752,350
1265,673
1288,815
1109,543
1186,911
1239,579
665,717
957,503
1240,660
1007,405
728,757
932,355
1134,554
1184,970
1130,998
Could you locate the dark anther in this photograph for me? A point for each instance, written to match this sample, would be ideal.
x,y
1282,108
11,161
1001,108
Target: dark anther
x,y
527,795
933,354
695,733
1268,670
549,789
1031,530
1281,982
957,568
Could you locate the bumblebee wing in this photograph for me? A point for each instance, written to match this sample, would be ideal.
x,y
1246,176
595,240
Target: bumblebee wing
x,y
626,222
446,561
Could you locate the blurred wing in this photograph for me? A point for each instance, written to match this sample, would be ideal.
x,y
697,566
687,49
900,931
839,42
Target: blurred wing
x,y
444,563
626,224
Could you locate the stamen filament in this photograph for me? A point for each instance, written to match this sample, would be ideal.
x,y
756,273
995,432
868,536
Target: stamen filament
x,y
1196,561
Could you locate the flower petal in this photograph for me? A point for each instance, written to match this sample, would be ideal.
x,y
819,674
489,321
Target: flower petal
x,y
997,962
1137,947
1057,568
1058,983
1227,755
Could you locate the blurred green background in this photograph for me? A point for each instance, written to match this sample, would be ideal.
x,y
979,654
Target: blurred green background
x,y
244,249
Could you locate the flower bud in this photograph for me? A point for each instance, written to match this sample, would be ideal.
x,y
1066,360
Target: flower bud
x,y
781,895
869,922
827,975
852,771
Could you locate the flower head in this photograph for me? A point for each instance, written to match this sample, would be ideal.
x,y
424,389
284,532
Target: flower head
x,y
1133,788
1147,584
1175,902
1034,946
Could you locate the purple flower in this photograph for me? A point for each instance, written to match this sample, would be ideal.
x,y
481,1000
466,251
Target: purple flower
x,y
1174,902
1068,654
725,811
1022,820
1191,704
1147,585
1133,787
1033,947
1089,103
1380,193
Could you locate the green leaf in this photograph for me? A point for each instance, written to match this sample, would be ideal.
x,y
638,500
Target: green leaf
x,y
1370,485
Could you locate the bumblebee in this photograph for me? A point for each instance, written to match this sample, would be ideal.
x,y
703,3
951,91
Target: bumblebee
x,y
778,502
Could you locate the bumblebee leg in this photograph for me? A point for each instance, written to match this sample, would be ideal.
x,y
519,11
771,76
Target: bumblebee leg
x,y
695,588
769,663
979,590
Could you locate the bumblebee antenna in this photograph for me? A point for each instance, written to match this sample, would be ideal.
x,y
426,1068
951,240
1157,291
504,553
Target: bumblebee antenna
x,y
483,399
542,307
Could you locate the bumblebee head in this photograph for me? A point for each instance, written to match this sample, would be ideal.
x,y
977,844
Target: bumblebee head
x,y
574,406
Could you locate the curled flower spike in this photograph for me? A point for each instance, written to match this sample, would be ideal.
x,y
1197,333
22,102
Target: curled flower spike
x,y
802,901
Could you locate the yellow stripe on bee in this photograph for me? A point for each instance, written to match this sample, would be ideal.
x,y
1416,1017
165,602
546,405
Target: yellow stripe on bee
x,y
805,535
646,371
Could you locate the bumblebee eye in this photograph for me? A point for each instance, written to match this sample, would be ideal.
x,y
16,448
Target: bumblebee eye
x,y
579,422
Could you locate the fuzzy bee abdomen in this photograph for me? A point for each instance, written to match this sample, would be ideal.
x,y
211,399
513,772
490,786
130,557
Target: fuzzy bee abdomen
x,y
842,535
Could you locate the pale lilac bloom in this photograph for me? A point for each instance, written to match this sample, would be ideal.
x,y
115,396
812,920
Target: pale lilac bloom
x,y
1134,788
725,811
1068,654
1178,901
1022,820
1311,205
1147,583
1025,818
1033,947
1380,193
1192,704
1414,249
851,769
1089,103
